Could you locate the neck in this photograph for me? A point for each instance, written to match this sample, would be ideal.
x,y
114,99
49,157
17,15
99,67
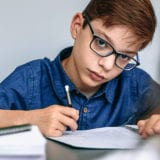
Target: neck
x,y
71,71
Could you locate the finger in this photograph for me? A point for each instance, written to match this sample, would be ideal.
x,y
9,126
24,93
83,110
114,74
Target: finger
x,y
147,133
56,129
141,125
66,116
55,133
59,126
68,121
50,131
70,112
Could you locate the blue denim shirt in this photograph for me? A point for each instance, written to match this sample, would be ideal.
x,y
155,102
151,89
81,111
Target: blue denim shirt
x,y
40,83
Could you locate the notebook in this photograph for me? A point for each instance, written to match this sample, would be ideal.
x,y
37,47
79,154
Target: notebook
x,y
14,129
23,143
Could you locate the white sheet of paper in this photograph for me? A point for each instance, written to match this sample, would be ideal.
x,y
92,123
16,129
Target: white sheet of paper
x,y
24,143
101,138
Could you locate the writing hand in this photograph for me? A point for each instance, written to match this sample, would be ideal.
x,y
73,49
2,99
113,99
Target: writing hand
x,y
54,120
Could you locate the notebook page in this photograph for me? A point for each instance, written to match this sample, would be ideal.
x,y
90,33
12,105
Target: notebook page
x,y
101,138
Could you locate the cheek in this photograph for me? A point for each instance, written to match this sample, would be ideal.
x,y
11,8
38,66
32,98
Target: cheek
x,y
83,59
84,56
82,45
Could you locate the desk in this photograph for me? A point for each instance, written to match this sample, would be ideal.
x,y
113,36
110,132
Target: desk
x,y
57,151
148,151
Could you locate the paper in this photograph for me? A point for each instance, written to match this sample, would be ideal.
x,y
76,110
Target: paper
x,y
24,143
101,138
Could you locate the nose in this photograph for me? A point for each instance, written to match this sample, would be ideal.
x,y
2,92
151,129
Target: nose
x,y
107,62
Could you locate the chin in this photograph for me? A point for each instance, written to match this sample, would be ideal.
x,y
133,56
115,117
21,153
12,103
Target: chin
x,y
92,84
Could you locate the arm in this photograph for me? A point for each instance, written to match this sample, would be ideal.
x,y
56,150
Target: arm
x,y
52,121
150,125
148,106
20,102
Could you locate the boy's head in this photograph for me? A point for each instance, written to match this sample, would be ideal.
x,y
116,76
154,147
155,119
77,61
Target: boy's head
x,y
135,14
107,37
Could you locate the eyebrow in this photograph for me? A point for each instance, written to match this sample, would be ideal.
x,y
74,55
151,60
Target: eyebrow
x,y
108,39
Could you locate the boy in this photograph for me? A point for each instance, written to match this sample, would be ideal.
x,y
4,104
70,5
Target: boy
x,y
106,87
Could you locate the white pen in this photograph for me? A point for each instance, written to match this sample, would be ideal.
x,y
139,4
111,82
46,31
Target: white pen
x,y
68,96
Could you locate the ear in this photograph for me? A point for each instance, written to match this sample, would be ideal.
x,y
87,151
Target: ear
x,y
76,25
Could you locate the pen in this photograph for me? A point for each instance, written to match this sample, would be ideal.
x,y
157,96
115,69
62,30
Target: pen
x,y
68,96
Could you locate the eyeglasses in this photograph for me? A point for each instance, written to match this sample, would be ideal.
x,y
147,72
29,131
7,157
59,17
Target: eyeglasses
x,y
104,49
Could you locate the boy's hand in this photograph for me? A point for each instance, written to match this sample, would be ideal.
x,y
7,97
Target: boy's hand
x,y
150,126
54,120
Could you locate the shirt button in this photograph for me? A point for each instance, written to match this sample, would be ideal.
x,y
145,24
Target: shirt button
x,y
85,109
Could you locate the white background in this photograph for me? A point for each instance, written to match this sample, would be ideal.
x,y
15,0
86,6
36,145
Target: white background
x,y
31,29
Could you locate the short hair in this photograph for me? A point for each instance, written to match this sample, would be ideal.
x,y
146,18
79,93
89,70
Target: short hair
x,y
137,14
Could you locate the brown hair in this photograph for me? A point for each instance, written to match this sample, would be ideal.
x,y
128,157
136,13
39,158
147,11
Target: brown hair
x,y
137,14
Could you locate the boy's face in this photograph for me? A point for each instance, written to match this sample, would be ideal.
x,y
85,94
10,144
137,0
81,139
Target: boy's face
x,y
90,70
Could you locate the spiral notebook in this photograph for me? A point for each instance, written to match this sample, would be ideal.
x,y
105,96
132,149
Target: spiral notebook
x,y
14,129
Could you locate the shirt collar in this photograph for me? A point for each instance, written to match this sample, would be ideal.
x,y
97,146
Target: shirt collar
x,y
110,90
60,77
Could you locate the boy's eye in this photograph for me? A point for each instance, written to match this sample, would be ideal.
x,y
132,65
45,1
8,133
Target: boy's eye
x,y
101,42
101,46
124,57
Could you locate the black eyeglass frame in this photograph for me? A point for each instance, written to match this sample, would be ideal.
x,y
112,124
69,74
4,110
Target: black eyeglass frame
x,y
137,62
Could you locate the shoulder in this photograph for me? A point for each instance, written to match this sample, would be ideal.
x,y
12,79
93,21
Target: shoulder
x,y
141,81
136,74
137,78
28,70
34,66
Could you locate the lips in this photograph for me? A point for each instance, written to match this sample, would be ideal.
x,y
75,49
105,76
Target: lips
x,y
95,76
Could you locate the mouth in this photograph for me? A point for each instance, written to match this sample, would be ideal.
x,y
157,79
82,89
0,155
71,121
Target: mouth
x,y
95,76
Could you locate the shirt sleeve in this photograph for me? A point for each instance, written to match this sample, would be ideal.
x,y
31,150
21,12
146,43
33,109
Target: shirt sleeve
x,y
15,90
149,100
